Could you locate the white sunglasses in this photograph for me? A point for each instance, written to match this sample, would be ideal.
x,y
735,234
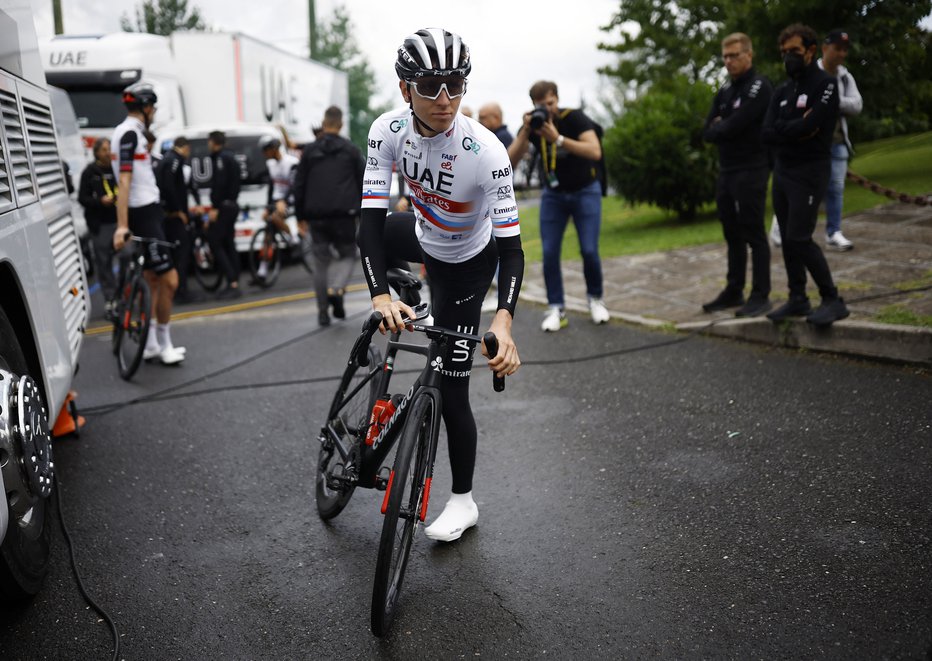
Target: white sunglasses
x,y
430,88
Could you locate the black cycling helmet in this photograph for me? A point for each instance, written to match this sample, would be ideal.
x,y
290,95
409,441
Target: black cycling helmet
x,y
140,94
432,52
269,142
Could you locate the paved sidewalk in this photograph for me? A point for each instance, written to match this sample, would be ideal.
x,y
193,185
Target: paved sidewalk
x,y
892,253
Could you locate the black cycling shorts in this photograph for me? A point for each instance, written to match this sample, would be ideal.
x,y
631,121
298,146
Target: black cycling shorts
x,y
147,222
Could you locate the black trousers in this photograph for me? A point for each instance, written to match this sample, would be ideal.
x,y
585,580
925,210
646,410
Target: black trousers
x,y
741,196
797,192
176,231
221,236
457,292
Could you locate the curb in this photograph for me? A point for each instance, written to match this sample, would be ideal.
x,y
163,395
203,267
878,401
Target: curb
x,y
865,339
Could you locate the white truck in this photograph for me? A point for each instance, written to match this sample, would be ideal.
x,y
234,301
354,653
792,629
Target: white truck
x,y
200,78
44,303
204,81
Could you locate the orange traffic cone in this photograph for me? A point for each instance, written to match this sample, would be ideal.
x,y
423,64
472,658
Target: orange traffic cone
x,y
68,422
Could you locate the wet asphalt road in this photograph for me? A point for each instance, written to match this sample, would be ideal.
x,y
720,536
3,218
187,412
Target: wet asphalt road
x,y
692,499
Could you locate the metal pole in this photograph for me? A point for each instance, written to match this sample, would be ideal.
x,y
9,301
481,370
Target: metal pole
x,y
312,28
56,12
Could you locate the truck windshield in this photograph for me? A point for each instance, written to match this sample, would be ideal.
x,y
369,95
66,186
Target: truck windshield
x,y
244,148
97,108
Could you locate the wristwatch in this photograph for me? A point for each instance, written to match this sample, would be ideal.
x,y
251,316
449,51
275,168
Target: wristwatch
x,y
559,142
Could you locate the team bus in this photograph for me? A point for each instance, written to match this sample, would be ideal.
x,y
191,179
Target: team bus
x,y
44,304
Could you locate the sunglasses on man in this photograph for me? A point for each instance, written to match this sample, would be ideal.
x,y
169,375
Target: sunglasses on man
x,y
430,88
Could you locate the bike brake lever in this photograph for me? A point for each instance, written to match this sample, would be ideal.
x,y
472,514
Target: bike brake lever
x,y
361,349
491,345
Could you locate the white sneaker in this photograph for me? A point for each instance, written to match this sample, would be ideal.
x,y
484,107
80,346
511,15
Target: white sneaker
x,y
775,237
598,311
171,356
554,320
151,353
459,514
263,269
839,242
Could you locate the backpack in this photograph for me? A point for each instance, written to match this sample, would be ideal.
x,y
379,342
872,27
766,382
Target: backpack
x,y
600,166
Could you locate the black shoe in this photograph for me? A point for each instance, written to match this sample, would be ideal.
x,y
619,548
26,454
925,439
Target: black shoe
x,y
755,307
336,300
229,292
727,299
830,311
323,318
795,307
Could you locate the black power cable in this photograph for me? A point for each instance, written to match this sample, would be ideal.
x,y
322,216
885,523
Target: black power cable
x,y
77,574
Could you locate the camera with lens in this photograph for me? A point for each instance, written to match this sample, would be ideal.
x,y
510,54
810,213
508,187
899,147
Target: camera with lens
x,y
539,115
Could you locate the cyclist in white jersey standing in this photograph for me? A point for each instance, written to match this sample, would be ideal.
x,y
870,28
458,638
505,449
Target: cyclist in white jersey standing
x,y
139,212
464,225
281,167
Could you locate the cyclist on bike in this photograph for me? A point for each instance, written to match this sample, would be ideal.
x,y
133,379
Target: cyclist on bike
x,y
459,177
281,167
140,213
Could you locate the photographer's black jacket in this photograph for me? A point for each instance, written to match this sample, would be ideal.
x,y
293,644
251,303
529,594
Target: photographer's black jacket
x,y
226,179
796,137
97,182
741,104
170,178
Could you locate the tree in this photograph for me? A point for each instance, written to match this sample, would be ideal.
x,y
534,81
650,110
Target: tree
x,y
655,153
891,54
163,17
337,47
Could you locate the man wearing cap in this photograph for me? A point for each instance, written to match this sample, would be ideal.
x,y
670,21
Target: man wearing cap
x,y
834,51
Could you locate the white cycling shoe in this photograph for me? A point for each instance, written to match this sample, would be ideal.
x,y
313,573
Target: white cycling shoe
x,y
459,514
168,356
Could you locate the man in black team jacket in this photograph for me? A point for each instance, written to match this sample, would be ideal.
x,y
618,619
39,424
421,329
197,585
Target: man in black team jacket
x,y
97,193
734,124
221,234
174,189
799,125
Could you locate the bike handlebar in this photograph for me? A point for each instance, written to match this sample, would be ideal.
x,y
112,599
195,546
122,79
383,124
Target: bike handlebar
x,y
360,351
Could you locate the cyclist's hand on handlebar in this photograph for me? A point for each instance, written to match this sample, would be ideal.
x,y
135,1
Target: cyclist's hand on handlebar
x,y
506,362
392,312
120,237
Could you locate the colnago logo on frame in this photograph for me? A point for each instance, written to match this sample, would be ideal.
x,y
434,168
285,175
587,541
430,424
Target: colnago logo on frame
x,y
402,405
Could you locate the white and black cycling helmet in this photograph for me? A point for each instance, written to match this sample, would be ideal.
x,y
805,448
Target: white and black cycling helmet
x,y
432,52
140,94
269,142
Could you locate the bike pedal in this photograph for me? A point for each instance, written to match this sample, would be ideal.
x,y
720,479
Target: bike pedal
x,y
381,480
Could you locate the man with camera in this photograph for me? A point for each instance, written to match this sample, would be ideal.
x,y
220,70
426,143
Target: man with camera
x,y
569,150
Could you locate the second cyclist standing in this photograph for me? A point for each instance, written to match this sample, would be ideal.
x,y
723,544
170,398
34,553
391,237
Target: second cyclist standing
x,y
464,225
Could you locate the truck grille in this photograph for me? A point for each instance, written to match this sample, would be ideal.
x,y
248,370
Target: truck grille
x,y
16,162
68,267
45,160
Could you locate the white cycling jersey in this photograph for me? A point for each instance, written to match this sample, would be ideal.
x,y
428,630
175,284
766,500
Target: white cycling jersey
x,y
460,182
130,154
281,174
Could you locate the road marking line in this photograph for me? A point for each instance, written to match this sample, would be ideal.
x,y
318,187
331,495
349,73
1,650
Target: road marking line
x,y
227,309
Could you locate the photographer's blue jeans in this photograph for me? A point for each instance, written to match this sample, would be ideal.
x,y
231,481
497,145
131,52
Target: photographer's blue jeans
x,y
585,206
835,195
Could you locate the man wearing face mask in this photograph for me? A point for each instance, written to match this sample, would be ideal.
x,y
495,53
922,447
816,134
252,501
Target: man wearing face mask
x,y
799,126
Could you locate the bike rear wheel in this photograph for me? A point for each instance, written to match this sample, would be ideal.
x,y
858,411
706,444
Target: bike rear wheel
x,y
205,267
134,327
263,249
347,420
406,495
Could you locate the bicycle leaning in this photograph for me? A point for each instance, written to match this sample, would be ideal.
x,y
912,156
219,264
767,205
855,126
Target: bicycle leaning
x,y
131,310
269,247
363,424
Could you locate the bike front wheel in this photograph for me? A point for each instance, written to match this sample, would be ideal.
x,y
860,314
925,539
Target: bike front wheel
x,y
265,257
404,510
346,423
134,328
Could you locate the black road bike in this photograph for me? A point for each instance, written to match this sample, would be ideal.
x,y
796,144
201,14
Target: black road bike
x,y
271,246
131,310
358,436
